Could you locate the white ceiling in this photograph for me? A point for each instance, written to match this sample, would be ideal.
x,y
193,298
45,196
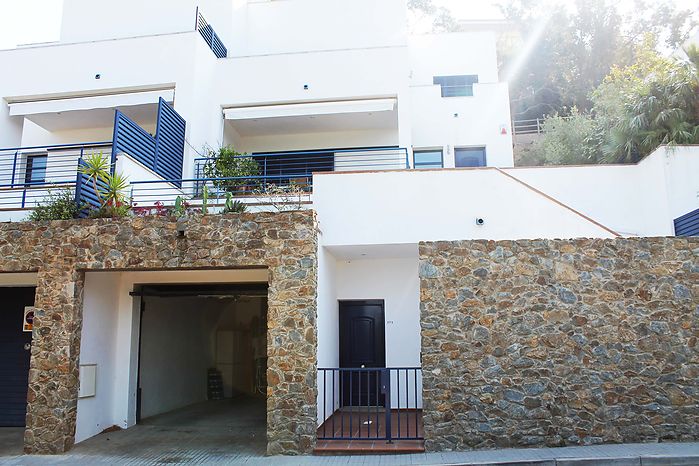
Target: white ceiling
x,y
316,123
144,115
375,251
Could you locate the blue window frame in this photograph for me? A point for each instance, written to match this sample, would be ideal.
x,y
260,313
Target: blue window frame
x,y
428,159
36,169
456,86
469,157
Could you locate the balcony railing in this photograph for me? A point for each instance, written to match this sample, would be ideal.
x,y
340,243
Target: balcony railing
x,y
210,37
289,166
370,403
28,174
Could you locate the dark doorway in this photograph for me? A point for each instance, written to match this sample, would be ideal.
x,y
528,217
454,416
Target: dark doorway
x,y
362,347
15,346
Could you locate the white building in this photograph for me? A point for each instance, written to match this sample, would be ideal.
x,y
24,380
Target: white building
x,y
404,139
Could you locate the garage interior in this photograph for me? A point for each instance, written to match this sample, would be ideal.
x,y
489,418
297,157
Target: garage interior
x,y
203,359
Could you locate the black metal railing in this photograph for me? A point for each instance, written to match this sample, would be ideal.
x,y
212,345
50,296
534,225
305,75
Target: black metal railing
x,y
371,403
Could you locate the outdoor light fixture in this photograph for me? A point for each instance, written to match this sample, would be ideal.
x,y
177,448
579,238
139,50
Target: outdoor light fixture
x,y
305,87
181,229
98,76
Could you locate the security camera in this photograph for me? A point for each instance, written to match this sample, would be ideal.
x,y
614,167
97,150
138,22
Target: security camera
x,y
480,222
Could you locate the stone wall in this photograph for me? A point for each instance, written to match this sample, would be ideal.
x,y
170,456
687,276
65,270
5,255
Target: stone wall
x,y
60,252
560,342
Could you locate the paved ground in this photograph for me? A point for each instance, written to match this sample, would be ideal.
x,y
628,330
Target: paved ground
x,y
11,439
233,433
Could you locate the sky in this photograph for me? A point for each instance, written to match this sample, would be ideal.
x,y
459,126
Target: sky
x,y
35,21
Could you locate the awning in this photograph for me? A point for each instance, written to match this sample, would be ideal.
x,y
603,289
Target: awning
x,y
310,109
109,101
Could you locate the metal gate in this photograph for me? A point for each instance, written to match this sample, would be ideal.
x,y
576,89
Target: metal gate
x,y
371,403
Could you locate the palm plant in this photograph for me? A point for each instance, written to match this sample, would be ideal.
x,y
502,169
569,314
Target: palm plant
x,y
109,187
96,167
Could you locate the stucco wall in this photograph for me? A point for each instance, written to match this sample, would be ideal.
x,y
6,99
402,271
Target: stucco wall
x,y
61,252
559,342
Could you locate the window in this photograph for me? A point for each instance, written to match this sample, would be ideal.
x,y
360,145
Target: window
x,y
470,157
36,169
456,86
427,159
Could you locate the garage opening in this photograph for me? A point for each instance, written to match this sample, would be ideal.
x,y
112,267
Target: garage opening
x,y
203,360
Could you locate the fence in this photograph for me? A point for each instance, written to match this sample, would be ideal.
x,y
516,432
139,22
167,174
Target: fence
x,y
371,403
162,153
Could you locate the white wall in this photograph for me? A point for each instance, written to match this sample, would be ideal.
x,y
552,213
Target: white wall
x,y
638,200
328,349
87,20
395,281
10,127
454,122
431,205
268,27
98,345
177,348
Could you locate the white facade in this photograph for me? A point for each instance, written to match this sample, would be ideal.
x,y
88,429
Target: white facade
x,y
342,78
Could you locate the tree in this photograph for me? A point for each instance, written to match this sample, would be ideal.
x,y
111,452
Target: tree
x,y
571,140
654,101
638,107
577,48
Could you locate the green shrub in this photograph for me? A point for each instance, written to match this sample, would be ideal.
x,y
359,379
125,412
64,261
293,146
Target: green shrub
x,y
227,163
60,206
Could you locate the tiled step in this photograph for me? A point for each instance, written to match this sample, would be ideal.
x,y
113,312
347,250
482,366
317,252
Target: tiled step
x,y
368,447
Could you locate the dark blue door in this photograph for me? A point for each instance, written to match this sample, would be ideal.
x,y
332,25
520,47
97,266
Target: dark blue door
x,y
14,355
362,346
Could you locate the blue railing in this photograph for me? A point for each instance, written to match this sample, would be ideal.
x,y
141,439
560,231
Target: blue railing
x,y
210,36
302,164
27,174
687,224
370,403
162,153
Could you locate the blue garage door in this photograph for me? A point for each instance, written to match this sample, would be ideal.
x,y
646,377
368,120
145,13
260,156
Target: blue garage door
x,y
14,355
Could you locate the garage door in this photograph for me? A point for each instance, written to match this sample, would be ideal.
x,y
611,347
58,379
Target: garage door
x,y
14,355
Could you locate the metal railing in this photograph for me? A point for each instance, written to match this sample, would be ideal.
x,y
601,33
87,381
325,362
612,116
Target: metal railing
x,y
284,178
371,403
24,182
255,190
288,167
207,32
532,126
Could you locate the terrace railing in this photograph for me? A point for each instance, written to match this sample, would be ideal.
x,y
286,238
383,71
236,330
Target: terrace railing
x,y
371,403
299,166
213,41
28,174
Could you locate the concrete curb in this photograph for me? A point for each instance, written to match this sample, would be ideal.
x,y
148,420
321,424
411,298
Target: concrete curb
x,y
692,460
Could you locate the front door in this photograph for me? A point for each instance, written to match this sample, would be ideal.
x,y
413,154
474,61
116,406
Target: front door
x,y
362,346
15,346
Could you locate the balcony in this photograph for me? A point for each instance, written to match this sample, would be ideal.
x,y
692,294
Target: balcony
x,y
285,177
29,174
